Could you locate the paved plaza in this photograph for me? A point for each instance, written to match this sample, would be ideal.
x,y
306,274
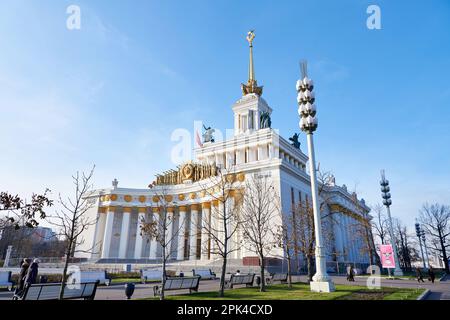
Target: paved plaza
x,y
439,290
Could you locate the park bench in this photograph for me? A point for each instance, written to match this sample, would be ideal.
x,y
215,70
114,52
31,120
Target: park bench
x,y
237,279
89,276
5,280
205,274
50,291
282,277
150,274
178,283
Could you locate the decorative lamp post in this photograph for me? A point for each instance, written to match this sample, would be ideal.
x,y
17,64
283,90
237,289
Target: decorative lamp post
x,y
419,235
387,202
422,233
308,124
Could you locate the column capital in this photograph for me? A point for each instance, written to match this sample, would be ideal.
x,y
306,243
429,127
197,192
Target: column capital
x,y
215,203
182,208
195,206
127,209
206,205
102,209
142,209
155,209
170,209
111,208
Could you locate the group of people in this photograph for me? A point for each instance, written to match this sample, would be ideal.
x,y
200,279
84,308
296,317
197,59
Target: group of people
x,y
27,275
431,275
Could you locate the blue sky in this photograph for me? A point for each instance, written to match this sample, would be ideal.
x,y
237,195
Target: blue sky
x,y
113,92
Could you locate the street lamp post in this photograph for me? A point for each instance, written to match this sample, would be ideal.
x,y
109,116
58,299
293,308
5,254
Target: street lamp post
x,y
419,235
308,124
422,233
387,202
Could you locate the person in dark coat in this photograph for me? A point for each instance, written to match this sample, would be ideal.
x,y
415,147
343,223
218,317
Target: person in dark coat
x,y
431,274
419,275
350,273
32,272
24,265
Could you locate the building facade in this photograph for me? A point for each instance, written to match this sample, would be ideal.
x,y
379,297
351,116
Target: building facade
x,y
190,193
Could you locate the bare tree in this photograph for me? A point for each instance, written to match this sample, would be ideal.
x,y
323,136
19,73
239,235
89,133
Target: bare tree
x,y
73,219
379,224
225,221
285,236
163,230
258,214
435,219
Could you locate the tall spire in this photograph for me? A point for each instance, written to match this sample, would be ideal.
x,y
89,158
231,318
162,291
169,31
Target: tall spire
x,y
252,85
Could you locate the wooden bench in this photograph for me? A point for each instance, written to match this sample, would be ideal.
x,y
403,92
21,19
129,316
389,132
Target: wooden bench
x,y
282,277
178,283
90,276
205,274
237,279
50,291
150,275
5,280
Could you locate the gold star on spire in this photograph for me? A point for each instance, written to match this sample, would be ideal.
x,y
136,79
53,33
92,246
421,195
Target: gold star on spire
x,y
252,85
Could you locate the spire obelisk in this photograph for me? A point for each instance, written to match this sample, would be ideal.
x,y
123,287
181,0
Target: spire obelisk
x,y
252,85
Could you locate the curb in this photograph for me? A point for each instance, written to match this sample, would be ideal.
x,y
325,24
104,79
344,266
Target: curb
x,y
424,295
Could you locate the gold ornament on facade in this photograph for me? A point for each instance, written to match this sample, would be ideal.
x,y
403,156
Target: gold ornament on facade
x,y
187,172
113,197
203,193
230,178
128,198
142,199
106,197
181,197
168,198
241,177
192,195
155,199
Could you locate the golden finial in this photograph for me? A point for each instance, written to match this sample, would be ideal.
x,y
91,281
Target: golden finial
x,y
251,86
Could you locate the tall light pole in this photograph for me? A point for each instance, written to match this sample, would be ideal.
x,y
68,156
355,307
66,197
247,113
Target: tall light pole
x,y
419,235
387,202
422,233
308,124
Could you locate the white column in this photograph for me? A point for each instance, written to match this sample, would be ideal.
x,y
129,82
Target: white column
x,y
124,233
181,232
139,238
153,242
216,227
206,241
169,234
193,232
99,232
108,232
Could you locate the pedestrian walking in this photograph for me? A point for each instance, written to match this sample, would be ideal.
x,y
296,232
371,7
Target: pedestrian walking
x,y
431,274
24,266
419,275
32,272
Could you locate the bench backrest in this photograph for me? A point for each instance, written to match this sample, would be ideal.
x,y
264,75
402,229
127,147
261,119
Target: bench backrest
x,y
151,274
88,276
50,291
242,278
5,276
204,273
174,283
279,277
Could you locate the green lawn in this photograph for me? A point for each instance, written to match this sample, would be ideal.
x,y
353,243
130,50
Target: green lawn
x,y
301,291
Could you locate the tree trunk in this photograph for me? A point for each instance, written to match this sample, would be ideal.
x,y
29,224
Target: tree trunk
x,y
222,278
64,275
289,271
444,254
163,280
262,284
309,262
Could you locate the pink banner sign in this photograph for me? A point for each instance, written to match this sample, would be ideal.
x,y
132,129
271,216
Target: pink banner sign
x,y
387,256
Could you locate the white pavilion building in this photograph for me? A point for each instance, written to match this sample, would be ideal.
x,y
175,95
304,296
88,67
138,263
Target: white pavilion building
x,y
255,148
